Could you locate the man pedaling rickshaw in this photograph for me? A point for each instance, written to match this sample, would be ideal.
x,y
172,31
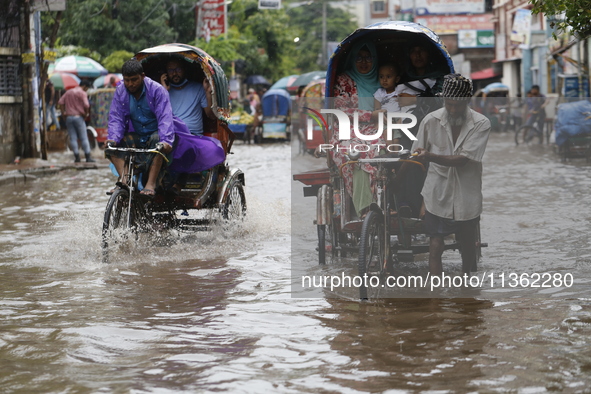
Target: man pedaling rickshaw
x,y
141,117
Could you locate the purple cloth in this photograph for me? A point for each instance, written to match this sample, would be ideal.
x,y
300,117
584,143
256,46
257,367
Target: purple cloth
x,y
191,154
194,153
159,103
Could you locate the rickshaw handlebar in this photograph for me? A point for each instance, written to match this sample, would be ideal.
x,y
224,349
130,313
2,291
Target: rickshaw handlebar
x,y
380,160
157,149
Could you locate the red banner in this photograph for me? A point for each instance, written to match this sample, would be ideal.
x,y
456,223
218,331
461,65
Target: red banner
x,y
211,18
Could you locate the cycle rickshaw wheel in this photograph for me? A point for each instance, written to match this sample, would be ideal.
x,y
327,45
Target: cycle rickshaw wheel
x,y
525,134
327,241
116,218
372,255
235,205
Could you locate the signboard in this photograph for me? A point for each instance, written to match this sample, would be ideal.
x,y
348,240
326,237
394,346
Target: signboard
x,y
269,4
49,56
28,57
435,7
476,39
571,86
211,17
451,24
521,26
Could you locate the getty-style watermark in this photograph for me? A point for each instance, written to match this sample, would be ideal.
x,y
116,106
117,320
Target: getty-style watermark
x,y
394,121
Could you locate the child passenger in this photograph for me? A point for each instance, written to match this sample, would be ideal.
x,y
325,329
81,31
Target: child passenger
x,y
386,97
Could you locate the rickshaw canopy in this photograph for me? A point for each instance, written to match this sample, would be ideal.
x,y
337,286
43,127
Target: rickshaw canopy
x,y
389,37
202,66
153,60
495,87
276,102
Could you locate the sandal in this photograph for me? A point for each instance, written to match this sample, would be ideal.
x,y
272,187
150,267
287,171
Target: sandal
x,y
148,192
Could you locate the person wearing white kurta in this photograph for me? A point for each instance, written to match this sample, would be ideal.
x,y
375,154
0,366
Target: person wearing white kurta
x,y
453,140
454,192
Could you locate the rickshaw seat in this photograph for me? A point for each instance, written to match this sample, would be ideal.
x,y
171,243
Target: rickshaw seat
x,y
223,134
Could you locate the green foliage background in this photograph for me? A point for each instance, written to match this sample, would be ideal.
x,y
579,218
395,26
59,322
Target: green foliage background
x,y
258,41
565,15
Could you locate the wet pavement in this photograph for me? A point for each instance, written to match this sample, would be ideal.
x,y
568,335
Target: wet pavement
x,y
216,312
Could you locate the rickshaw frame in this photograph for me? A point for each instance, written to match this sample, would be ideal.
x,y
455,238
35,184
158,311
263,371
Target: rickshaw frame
x,y
217,189
335,218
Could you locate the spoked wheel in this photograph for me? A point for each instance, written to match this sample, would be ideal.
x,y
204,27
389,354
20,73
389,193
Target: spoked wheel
x,y
234,207
475,237
115,219
526,134
372,256
327,243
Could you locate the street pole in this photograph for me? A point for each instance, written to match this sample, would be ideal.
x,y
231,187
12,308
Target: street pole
x,y
324,39
28,148
41,77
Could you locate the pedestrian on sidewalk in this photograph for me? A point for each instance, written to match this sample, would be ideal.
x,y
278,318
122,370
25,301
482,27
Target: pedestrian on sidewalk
x,y
75,107
50,105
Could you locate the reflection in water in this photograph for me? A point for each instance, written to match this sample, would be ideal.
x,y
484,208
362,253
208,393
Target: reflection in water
x,y
214,311
410,344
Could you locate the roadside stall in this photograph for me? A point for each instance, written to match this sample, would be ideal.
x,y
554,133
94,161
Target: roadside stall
x,y
242,123
100,104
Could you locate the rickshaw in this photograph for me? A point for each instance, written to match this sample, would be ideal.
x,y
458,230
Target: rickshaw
x,y
312,95
210,196
276,106
381,238
573,130
493,102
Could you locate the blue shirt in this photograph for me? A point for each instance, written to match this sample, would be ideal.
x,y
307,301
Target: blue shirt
x,y
142,117
188,101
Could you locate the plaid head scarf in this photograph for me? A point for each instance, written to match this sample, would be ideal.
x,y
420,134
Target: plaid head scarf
x,y
457,87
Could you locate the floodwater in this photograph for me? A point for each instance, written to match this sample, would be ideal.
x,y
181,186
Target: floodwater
x,y
214,311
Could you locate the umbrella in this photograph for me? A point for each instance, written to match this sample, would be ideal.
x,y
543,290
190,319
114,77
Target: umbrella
x,y
104,80
315,88
305,79
79,65
284,82
256,80
64,80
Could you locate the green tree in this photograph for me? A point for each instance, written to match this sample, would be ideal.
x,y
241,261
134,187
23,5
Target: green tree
x,y
566,14
266,45
306,22
73,50
182,19
108,26
115,60
258,41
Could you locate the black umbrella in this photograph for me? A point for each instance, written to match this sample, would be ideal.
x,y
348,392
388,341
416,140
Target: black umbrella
x,y
257,80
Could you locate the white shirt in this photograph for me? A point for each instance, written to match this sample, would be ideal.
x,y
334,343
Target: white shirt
x,y
388,101
402,88
454,192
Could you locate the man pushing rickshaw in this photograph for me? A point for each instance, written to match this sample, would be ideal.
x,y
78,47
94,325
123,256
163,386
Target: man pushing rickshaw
x,y
357,206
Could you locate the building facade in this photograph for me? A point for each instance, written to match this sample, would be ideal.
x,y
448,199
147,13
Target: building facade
x,y
12,20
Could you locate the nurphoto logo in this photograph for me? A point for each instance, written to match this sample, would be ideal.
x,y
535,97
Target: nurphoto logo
x,y
394,120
